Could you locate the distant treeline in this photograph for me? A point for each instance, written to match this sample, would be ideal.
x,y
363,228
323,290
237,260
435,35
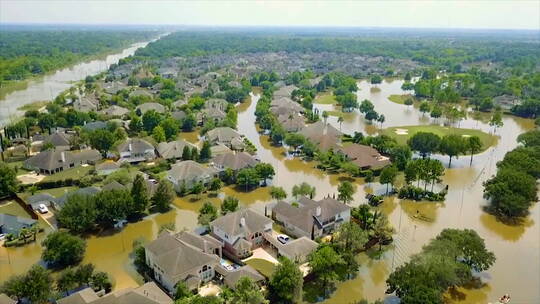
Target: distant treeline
x,y
445,52
27,53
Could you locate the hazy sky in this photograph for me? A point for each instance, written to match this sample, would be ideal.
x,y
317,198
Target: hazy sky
x,y
516,14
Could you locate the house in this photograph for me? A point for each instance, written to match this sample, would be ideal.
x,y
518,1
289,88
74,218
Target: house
x,y
241,231
183,257
54,161
365,157
291,122
285,91
187,173
61,201
173,149
114,111
220,149
231,278
114,185
224,135
140,92
179,103
60,140
107,168
135,150
298,249
94,125
234,161
310,218
11,224
213,114
86,104
178,115
41,198
285,106
145,107
324,135
148,293
113,87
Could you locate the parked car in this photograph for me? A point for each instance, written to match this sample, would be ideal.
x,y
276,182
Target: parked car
x,y
43,209
283,239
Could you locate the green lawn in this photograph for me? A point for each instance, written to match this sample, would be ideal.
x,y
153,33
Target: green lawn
x,y
33,106
263,266
400,99
325,98
74,173
488,140
13,208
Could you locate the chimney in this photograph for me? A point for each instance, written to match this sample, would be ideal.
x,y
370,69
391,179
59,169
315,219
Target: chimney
x,y
318,211
205,246
63,156
129,147
242,222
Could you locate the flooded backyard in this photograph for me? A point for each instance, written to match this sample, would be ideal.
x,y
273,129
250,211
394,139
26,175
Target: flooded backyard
x,y
516,271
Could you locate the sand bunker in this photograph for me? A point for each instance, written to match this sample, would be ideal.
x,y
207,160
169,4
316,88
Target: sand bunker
x,y
30,178
401,131
465,135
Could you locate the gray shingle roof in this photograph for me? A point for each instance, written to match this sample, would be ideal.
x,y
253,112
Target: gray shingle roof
x,y
234,160
135,145
231,222
232,277
145,107
115,110
299,249
189,170
13,224
222,134
173,149
149,293
51,159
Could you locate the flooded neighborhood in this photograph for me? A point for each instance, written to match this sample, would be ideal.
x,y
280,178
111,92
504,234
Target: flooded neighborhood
x,y
200,165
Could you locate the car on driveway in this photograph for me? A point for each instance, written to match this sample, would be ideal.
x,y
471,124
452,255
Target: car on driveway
x,y
283,239
42,209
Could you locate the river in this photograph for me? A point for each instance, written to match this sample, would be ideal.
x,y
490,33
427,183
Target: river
x,y
516,271
46,88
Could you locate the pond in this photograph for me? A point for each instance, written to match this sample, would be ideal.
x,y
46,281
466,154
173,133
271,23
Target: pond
x,y
415,222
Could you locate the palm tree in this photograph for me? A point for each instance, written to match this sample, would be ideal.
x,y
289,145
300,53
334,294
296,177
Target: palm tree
x,y
381,119
340,120
325,116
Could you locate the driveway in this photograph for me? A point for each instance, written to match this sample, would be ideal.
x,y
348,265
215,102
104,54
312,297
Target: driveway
x,y
261,253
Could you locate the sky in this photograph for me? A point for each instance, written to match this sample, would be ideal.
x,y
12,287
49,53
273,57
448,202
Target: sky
x,y
484,14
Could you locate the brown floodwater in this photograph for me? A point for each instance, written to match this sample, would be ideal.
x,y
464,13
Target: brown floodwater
x,y
516,271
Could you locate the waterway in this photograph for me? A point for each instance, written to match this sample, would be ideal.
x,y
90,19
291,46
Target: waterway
x,y
516,271
47,87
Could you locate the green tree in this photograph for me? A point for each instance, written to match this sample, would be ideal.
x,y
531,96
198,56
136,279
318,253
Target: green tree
x,y
294,140
207,214
424,142
158,134
150,120
285,285
102,140
277,193
452,145
230,204
139,192
247,292
206,152
38,284
78,214
350,238
164,196
325,116
530,138
324,263
186,153
170,128
8,180
346,191
113,205
425,107
182,291
247,177
474,144
496,120
101,281
382,229
62,249
388,176
265,171
400,155
303,189
215,184
366,106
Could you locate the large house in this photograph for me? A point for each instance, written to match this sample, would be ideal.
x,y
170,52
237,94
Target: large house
x,y
136,150
59,140
324,135
365,157
87,103
187,173
241,231
226,136
173,149
11,224
311,218
54,161
185,257
145,107
234,161
114,110
149,293
192,259
285,106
